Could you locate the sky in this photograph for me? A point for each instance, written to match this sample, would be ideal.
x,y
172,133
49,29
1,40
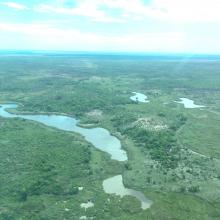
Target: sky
x,y
158,26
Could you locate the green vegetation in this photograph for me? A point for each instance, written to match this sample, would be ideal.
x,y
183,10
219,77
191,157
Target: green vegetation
x,y
173,152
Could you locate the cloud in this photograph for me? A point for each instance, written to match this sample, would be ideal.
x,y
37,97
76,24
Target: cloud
x,y
85,8
189,10
14,5
197,20
97,10
134,9
168,10
44,36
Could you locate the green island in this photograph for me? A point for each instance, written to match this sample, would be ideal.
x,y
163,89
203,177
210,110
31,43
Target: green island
x,y
173,151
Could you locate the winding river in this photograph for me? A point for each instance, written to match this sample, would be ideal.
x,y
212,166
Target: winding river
x,y
98,137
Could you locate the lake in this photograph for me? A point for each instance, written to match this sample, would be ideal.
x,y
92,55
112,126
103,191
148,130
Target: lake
x,y
188,103
114,185
139,97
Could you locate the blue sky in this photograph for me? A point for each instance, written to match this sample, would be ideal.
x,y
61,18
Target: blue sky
x,y
178,26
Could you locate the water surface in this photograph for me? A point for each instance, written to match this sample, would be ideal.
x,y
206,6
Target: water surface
x,y
99,137
139,97
188,103
114,185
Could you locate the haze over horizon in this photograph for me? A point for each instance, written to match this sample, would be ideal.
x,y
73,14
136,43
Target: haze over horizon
x,y
158,26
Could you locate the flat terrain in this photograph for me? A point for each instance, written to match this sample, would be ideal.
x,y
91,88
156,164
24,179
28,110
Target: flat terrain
x,y
173,152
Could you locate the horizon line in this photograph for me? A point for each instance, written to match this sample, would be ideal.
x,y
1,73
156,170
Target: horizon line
x,y
154,53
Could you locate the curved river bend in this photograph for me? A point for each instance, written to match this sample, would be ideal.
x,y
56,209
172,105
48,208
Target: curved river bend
x,y
114,185
99,137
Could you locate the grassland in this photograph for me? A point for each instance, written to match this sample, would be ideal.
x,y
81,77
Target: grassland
x,y
176,166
